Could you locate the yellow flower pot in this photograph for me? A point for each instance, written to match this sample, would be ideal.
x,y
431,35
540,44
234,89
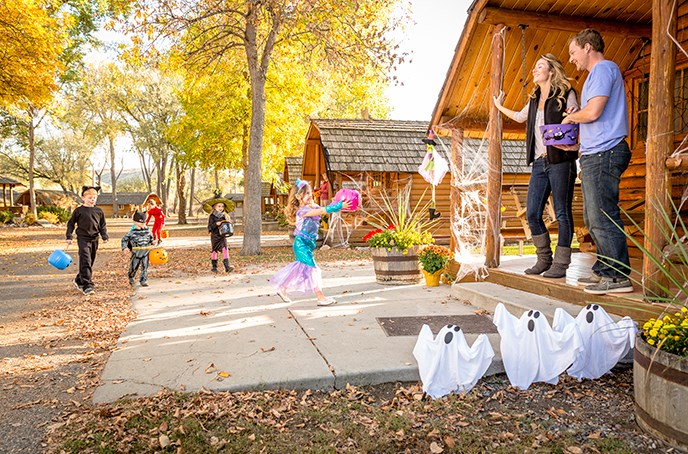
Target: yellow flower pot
x,y
432,279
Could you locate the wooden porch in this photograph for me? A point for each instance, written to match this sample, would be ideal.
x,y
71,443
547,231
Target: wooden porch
x,y
511,274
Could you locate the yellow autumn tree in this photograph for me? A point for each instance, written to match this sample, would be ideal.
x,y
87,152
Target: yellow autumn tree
x,y
32,42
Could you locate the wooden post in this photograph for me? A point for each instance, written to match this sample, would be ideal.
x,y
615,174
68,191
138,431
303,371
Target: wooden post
x,y
494,155
660,138
454,196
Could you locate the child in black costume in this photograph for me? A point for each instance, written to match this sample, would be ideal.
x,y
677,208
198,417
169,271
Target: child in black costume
x,y
219,209
138,237
90,223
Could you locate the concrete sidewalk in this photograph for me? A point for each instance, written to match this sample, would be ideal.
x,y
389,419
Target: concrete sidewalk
x,y
191,331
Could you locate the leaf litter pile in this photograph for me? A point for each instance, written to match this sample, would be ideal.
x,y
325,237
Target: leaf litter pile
x,y
56,343
571,417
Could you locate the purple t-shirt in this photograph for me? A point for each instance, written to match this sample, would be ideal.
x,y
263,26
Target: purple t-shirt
x,y
611,127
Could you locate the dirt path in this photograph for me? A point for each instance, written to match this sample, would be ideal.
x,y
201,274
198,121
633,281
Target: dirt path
x,y
53,340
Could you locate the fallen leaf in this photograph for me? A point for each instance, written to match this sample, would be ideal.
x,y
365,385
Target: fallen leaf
x,y
271,349
435,448
210,369
449,441
164,441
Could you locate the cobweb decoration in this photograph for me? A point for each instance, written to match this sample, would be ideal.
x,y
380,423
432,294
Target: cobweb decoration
x,y
339,230
469,214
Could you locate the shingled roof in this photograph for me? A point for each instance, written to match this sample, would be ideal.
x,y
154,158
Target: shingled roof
x,y
292,168
8,180
123,198
372,145
513,155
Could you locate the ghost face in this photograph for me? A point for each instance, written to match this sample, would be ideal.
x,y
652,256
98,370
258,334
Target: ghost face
x,y
532,316
590,315
449,335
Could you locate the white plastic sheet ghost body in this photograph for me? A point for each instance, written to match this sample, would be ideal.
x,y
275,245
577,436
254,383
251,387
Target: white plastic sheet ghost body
x,y
447,364
605,341
531,350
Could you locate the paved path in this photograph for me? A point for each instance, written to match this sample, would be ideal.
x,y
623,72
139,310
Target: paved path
x,y
191,331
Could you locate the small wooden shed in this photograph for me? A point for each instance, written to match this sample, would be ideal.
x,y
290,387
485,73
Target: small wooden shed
x,y
64,199
127,203
8,185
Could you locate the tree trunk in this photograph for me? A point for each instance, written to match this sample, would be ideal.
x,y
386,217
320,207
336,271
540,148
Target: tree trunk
x,y
32,160
191,190
258,68
113,176
181,193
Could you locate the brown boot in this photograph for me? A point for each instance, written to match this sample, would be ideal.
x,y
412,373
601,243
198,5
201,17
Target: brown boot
x,y
544,254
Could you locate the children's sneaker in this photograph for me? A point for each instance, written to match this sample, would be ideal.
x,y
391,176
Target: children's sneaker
x,y
283,296
78,287
589,280
89,291
610,285
144,283
131,281
327,302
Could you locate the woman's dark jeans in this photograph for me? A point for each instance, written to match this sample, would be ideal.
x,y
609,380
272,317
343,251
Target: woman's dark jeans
x,y
601,175
558,180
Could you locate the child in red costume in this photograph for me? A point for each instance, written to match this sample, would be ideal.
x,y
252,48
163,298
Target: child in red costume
x,y
154,211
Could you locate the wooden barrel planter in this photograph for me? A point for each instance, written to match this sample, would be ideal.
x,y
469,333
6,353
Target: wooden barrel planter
x,y
660,383
393,267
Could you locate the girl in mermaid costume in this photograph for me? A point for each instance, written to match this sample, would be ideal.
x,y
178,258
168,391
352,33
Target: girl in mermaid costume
x,y
303,275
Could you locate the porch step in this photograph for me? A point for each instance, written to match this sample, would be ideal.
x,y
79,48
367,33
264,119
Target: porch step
x,y
488,295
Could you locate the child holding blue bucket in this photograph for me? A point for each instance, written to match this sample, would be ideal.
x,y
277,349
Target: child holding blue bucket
x,y
135,241
90,223
304,275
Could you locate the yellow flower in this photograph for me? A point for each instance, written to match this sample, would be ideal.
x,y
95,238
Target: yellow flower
x,y
653,333
677,338
651,341
658,323
647,325
684,309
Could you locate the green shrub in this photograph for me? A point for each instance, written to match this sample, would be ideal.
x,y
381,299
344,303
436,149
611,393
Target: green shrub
x,y
6,217
30,219
48,216
61,213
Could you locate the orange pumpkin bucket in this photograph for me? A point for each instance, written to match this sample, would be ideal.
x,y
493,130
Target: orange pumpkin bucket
x,y
158,256
164,234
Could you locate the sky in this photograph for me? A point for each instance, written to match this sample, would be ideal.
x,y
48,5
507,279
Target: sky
x,y
432,41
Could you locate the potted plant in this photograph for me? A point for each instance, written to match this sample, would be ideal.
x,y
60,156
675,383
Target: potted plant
x,y
399,231
660,360
433,259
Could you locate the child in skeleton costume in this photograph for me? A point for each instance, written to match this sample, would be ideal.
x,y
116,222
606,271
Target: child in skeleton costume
x,y
219,209
303,275
138,237
154,210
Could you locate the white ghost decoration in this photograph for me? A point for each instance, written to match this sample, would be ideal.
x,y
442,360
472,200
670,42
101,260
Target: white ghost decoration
x,y
447,364
605,341
531,350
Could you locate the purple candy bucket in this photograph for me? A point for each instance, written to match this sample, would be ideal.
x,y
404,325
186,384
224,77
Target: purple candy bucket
x,y
554,135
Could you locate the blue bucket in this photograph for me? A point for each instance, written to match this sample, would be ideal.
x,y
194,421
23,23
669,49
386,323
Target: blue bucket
x,y
60,259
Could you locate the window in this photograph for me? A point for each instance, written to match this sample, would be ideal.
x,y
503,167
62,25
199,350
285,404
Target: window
x,y
680,105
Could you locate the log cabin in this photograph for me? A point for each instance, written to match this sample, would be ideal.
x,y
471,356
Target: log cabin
x,y
499,45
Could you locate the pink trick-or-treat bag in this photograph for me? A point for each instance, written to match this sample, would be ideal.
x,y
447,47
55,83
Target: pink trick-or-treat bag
x,y
351,195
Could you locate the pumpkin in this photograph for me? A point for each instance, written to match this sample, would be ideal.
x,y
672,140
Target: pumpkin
x,y
158,256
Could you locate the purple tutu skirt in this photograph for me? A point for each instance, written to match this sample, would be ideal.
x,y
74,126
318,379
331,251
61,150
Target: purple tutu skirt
x,y
298,277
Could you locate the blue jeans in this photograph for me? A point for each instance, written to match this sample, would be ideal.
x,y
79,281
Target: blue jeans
x,y
558,180
601,174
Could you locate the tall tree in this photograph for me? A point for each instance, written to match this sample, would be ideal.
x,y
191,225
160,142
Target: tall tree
x,y
357,35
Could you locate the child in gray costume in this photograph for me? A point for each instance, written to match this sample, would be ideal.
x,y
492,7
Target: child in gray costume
x,y
139,236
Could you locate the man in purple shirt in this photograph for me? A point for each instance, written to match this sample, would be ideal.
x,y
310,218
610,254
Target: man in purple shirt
x,y
605,155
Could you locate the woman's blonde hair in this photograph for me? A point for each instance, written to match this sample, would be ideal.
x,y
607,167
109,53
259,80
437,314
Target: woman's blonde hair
x,y
296,194
560,84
